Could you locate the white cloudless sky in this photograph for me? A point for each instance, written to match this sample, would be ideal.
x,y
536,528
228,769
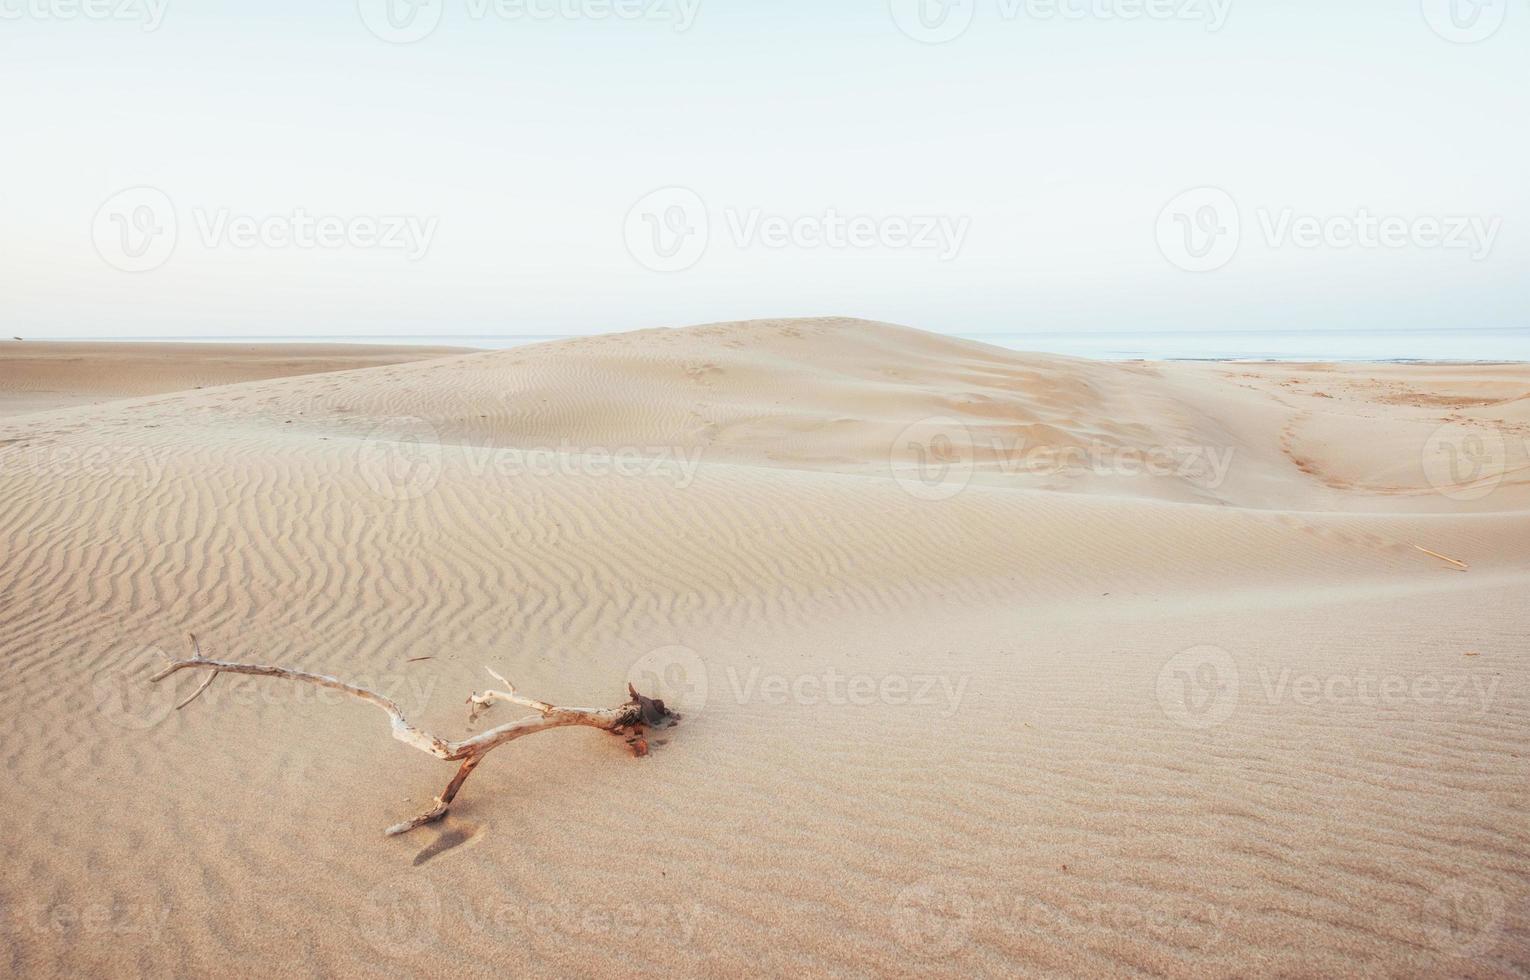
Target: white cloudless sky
x,y
523,143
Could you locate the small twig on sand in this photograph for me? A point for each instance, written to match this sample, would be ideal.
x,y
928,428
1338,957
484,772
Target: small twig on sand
x,y
1460,565
470,751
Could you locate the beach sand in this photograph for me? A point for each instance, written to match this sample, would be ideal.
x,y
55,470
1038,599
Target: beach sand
x,y
990,663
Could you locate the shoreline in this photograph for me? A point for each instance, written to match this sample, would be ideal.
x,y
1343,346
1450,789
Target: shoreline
x,y
420,345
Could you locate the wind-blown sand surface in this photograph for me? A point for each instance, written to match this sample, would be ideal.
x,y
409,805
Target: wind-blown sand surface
x,y
965,690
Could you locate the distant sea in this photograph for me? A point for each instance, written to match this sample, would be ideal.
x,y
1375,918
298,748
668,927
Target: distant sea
x,y
1454,344
1463,344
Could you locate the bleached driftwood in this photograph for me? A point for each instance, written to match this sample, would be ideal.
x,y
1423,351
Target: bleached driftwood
x,y
639,710
1458,563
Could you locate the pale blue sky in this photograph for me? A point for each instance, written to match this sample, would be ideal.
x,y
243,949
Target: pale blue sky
x,y
523,144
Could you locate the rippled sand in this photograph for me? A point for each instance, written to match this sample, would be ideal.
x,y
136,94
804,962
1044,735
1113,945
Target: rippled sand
x,y
990,663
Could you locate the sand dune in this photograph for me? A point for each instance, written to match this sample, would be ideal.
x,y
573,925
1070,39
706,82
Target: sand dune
x,y
992,663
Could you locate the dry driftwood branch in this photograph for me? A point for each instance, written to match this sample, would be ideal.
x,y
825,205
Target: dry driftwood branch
x,y
638,710
1459,564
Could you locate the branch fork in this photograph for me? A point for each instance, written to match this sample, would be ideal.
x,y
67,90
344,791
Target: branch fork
x,y
469,752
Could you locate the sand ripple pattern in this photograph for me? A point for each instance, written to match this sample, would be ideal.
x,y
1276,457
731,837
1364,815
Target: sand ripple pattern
x,y
1014,798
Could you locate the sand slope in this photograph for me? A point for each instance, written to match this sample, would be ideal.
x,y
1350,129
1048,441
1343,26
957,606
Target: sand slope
x,y
968,689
